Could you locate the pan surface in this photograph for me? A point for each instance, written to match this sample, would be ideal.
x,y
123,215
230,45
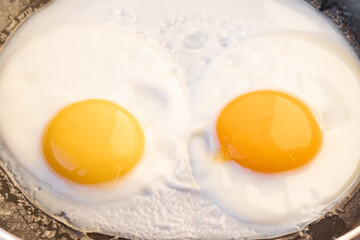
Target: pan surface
x,y
19,217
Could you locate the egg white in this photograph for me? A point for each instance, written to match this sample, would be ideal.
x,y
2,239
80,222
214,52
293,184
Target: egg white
x,y
169,203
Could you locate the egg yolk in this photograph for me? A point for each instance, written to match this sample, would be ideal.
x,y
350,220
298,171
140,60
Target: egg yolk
x,y
93,141
268,131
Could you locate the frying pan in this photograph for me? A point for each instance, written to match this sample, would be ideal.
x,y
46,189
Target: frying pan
x,y
18,217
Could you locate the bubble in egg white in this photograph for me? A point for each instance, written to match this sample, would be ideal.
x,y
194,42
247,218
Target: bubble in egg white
x,y
196,40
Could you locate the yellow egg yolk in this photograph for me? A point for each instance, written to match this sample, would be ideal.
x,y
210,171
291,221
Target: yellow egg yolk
x,y
268,131
93,141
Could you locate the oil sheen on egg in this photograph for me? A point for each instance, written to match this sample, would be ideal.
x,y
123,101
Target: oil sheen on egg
x,y
169,68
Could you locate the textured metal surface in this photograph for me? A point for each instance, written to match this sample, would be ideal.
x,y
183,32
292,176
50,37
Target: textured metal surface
x,y
346,14
19,217
13,12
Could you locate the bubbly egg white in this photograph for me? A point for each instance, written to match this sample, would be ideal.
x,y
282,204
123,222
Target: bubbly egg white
x,y
160,199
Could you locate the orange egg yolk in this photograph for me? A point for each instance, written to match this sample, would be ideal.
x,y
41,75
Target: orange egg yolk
x,y
268,131
93,141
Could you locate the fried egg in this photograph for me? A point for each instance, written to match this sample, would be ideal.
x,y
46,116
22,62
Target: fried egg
x,y
90,122
77,72
282,117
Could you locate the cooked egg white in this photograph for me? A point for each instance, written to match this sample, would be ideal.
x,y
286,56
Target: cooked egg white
x,y
159,60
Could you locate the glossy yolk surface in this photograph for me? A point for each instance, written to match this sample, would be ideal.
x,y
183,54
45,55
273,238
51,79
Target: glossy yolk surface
x,y
93,141
268,131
